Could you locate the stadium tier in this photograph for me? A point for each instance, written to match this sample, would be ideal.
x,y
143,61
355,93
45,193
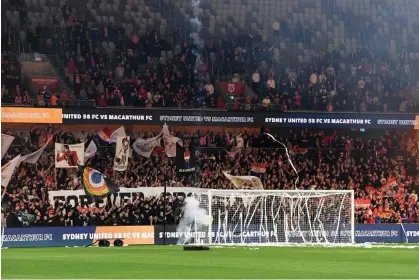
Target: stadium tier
x,y
382,172
136,53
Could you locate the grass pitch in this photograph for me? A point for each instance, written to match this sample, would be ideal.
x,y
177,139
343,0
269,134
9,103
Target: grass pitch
x,y
230,262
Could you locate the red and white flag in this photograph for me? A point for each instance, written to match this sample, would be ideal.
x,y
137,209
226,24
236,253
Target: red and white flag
x,y
105,135
90,150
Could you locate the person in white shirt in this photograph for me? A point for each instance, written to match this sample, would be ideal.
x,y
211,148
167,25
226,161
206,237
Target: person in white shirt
x,y
255,81
313,78
271,84
209,88
276,27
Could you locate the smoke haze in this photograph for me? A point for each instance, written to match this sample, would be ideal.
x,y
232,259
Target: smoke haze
x,y
194,219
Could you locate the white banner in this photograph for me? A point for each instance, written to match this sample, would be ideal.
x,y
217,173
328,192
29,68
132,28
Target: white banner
x,y
33,157
122,154
245,182
120,132
6,141
145,147
7,171
79,196
67,156
170,141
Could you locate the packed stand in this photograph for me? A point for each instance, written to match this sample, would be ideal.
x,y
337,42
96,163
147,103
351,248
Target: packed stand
x,y
128,72
11,90
363,77
137,80
324,161
363,81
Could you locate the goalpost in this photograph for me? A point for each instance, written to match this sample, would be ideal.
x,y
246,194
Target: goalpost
x,y
279,217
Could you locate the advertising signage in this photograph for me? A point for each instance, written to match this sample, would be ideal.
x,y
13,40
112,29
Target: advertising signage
x,y
208,118
159,235
31,115
239,118
76,236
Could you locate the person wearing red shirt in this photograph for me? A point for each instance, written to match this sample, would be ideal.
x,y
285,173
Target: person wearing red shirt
x,y
26,98
102,101
18,99
297,100
69,156
236,105
371,219
220,103
17,90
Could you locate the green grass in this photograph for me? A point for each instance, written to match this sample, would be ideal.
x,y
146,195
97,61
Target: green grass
x,y
231,262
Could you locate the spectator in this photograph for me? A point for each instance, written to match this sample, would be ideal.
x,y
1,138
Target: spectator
x,y
271,84
26,100
256,81
53,100
102,102
18,100
209,88
40,98
266,102
46,92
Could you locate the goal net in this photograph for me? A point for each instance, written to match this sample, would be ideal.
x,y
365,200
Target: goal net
x,y
240,217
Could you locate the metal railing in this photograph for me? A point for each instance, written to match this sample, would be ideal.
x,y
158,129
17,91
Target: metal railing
x,y
228,107
309,153
60,103
279,108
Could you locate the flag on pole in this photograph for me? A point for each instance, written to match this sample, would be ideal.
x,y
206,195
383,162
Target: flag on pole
x,y
34,157
105,135
258,168
185,159
8,169
120,132
170,141
245,182
145,147
295,150
6,141
95,183
90,150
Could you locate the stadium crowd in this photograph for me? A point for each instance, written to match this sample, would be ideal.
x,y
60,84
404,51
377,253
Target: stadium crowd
x,y
104,63
324,161
134,73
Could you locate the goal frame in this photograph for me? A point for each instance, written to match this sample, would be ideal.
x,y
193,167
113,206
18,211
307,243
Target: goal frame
x,y
230,192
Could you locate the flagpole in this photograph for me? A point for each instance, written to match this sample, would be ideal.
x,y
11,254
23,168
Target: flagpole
x,y
55,176
3,193
164,213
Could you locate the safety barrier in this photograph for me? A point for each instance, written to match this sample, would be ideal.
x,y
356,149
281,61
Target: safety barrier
x,y
143,235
